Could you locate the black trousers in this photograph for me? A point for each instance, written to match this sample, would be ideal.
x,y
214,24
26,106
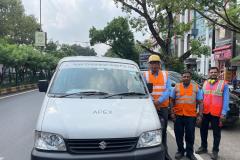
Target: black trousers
x,y
163,117
185,125
207,118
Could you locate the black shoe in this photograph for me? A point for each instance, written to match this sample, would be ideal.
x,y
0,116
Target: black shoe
x,y
201,150
214,155
167,157
191,157
179,155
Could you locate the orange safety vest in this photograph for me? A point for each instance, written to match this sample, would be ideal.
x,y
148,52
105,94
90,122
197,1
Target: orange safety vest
x,y
213,98
159,86
185,101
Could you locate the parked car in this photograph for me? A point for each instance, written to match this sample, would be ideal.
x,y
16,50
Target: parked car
x,y
97,108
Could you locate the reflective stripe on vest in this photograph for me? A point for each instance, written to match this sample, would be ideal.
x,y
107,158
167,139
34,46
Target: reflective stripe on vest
x,y
213,98
157,93
185,102
218,91
159,85
146,74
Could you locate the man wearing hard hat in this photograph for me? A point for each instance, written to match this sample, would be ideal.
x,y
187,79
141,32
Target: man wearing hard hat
x,y
160,94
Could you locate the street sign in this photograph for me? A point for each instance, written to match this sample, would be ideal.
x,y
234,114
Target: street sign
x,y
40,39
143,60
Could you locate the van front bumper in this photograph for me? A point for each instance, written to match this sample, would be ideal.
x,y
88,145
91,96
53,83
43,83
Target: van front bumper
x,y
155,153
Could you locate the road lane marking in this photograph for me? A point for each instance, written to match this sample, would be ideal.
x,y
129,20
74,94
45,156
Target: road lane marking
x,y
17,95
171,131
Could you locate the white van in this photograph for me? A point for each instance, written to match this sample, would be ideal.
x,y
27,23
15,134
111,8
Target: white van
x,y
97,108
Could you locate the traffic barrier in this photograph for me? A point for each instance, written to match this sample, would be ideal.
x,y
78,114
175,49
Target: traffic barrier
x,y
3,91
21,88
17,89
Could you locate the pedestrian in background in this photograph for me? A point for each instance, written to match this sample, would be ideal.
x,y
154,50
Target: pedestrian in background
x,y
234,82
185,98
215,107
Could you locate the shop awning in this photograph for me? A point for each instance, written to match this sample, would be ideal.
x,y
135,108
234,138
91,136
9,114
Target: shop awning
x,y
222,48
235,61
223,53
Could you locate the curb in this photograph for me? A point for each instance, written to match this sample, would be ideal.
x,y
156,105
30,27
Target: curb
x,y
17,89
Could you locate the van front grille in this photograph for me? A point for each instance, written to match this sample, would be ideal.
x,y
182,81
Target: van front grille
x,y
90,146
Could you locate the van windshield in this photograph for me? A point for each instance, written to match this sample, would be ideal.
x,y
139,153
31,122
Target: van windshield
x,y
97,77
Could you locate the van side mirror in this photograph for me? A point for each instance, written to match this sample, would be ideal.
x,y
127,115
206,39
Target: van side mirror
x,y
173,84
42,85
150,87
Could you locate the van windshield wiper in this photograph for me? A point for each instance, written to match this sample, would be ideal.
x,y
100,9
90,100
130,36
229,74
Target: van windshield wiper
x,y
126,94
88,93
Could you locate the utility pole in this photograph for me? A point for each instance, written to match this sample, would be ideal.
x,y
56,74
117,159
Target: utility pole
x,y
234,38
40,15
213,39
213,45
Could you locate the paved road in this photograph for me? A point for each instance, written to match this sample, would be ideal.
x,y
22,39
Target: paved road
x,y
18,116
230,143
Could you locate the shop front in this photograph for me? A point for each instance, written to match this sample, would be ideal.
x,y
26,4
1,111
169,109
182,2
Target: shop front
x,y
236,63
222,57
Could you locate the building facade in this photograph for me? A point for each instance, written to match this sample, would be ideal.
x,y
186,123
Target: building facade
x,y
200,31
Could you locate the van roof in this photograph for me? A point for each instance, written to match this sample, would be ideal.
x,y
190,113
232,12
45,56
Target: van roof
x,y
96,59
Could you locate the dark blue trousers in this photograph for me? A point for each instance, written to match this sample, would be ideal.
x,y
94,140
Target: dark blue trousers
x,y
185,125
207,118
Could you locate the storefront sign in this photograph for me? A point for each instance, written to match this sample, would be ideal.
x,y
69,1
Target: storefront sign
x,y
143,60
223,53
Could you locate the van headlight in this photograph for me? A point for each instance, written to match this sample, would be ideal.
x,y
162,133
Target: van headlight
x,y
49,141
150,139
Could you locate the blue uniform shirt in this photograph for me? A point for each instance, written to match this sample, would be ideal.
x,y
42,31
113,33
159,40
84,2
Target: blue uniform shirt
x,y
198,97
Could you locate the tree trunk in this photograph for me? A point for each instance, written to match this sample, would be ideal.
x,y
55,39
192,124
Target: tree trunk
x,y
16,76
2,75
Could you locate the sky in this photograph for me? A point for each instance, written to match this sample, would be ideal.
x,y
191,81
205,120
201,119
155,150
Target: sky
x,y
69,21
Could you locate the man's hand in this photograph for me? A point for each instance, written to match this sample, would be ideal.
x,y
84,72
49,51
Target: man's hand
x,y
199,120
222,118
173,116
156,103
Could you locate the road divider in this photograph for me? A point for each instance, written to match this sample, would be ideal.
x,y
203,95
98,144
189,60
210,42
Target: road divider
x,y
21,88
16,94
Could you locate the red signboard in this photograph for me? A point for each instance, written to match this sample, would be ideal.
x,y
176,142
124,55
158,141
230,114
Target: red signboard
x,y
223,53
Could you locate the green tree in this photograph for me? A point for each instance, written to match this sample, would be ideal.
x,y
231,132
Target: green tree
x,y
11,11
22,63
14,24
160,17
52,46
25,32
78,50
110,53
118,36
75,50
224,13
